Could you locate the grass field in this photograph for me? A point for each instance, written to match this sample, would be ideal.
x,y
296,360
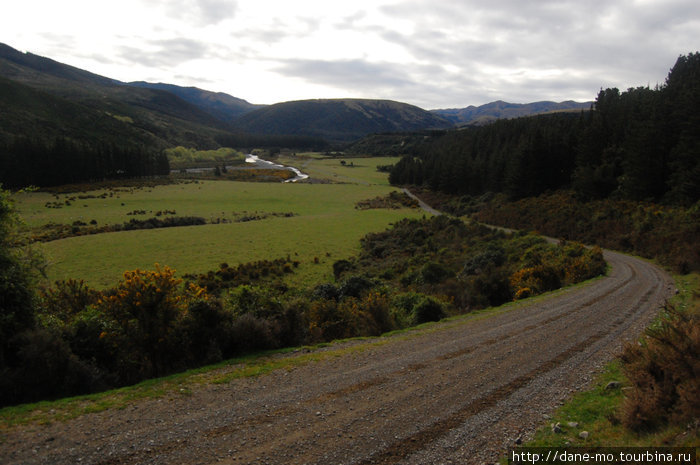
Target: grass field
x,y
326,224
362,171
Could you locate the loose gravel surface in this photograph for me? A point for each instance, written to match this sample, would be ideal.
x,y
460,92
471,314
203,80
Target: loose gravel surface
x,y
457,392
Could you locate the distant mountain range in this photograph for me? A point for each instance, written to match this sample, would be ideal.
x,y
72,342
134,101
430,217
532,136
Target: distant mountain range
x,y
490,112
43,98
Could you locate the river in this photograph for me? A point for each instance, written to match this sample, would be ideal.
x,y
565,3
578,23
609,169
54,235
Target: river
x,y
250,158
254,159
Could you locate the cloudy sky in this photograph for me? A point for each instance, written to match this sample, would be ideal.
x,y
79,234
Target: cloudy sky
x,y
431,53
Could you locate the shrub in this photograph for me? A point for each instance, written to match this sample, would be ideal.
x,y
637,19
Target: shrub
x,y
207,329
146,308
326,321
433,273
493,256
249,333
539,278
403,305
367,316
664,372
490,288
340,267
17,280
669,234
377,306
69,297
428,309
47,368
355,286
254,300
326,291
277,324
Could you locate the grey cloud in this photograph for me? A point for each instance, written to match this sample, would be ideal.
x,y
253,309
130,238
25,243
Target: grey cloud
x,y
169,52
427,86
200,12
597,43
215,11
463,45
353,74
350,22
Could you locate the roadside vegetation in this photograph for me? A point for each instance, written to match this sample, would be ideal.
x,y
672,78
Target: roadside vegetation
x,y
667,233
75,339
649,396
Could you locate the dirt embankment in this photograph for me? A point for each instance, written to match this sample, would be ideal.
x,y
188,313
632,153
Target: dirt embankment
x,y
458,392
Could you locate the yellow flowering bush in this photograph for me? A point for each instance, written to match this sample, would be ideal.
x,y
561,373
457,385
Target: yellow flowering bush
x,y
146,309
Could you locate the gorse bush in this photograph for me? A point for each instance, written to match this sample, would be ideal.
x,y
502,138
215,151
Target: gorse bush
x,y
369,315
472,266
228,277
145,311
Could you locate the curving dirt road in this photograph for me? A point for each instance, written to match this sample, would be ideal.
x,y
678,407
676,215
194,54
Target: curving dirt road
x,y
457,392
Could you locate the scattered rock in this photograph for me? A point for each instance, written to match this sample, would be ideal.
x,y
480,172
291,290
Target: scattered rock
x,y
584,434
519,440
572,424
556,428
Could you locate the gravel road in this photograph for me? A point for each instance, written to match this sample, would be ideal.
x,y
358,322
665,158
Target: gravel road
x,y
457,392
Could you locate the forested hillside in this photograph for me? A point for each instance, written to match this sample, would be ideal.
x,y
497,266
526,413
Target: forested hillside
x,y
640,144
338,119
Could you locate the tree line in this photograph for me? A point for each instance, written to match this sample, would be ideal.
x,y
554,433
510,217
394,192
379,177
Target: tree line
x,y
641,144
272,141
26,161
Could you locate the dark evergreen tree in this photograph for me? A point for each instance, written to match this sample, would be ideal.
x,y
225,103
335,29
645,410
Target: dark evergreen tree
x,y
641,144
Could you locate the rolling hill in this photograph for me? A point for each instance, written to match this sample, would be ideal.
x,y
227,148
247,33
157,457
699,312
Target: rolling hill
x,y
35,113
338,119
164,117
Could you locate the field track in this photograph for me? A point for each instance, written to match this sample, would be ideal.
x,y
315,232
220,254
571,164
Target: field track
x,y
456,392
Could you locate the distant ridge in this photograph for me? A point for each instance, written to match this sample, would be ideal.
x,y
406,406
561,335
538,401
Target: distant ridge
x,y
484,114
218,104
339,119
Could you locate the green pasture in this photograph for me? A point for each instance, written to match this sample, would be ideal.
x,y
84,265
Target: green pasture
x,y
362,171
325,226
